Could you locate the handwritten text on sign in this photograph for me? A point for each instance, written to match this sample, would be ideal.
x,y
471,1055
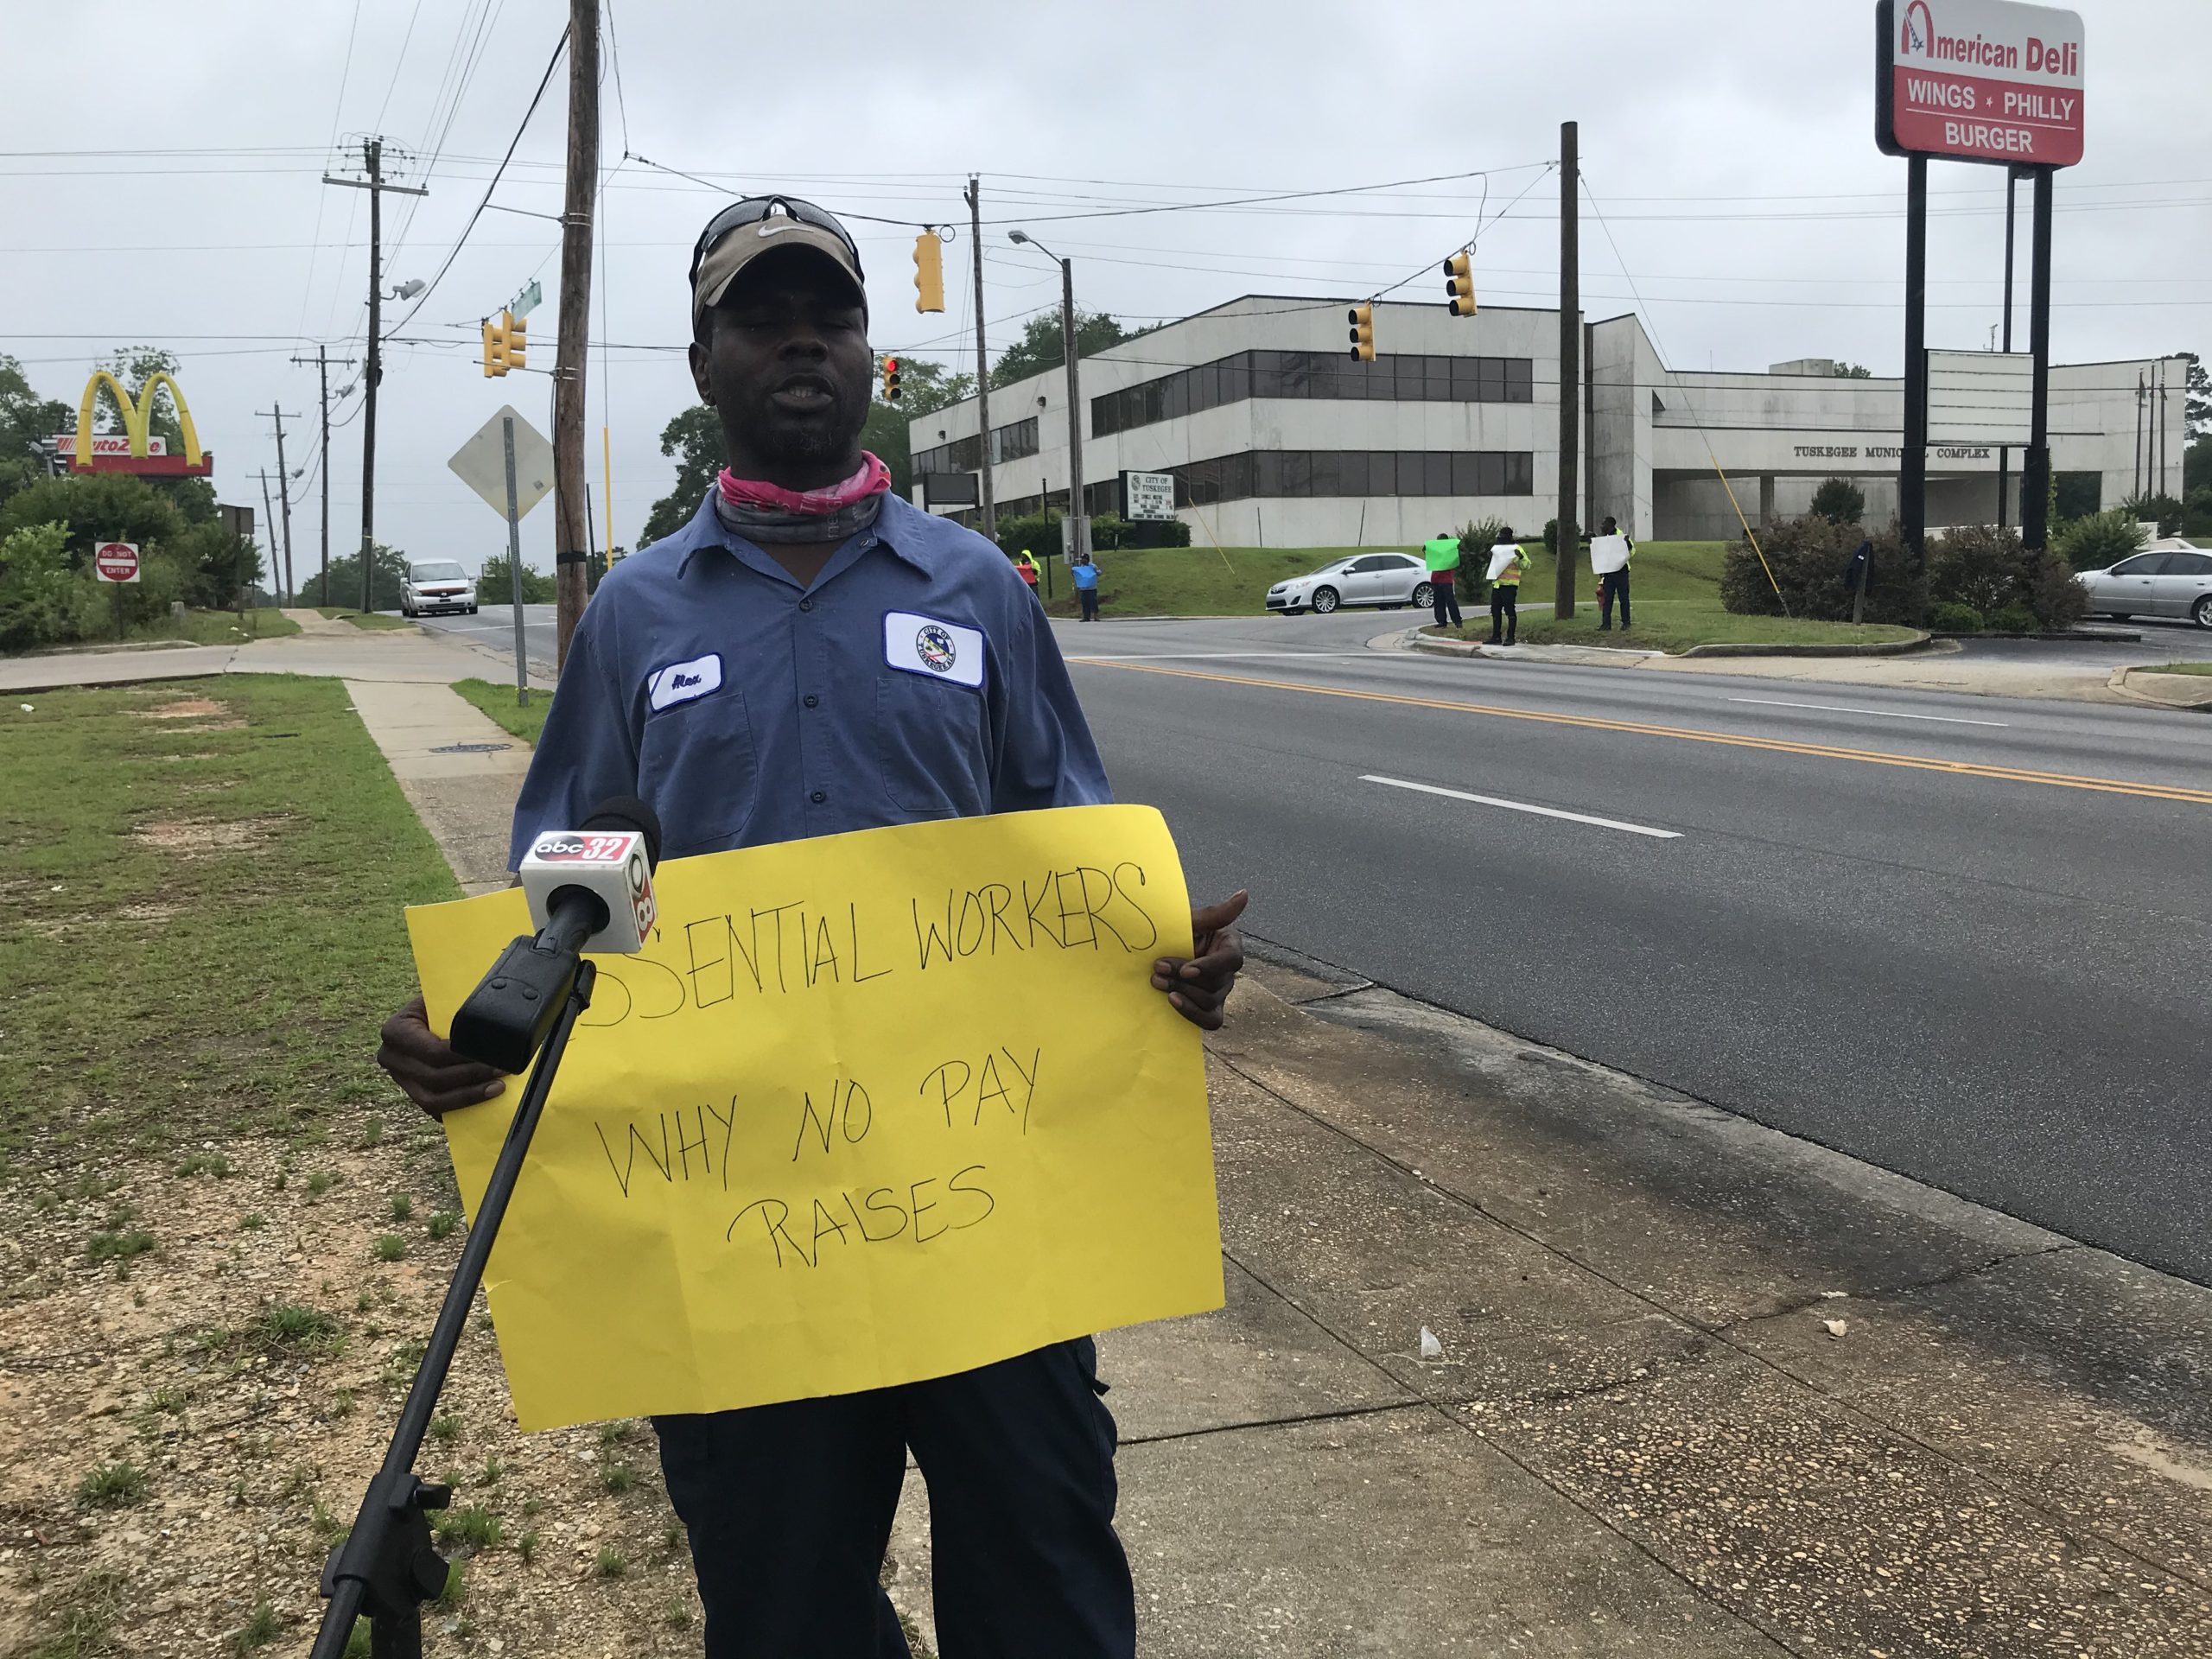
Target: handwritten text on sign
x,y
869,1109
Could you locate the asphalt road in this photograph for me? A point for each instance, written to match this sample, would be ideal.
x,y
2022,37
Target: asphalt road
x,y
1868,921
1963,937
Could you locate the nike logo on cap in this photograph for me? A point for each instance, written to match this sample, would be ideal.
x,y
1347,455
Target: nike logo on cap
x,y
770,226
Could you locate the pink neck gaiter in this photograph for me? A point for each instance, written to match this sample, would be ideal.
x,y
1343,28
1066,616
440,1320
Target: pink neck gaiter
x,y
873,479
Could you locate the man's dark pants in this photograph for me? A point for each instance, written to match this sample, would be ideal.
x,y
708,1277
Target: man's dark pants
x,y
1615,584
789,1508
1090,598
1505,611
1444,595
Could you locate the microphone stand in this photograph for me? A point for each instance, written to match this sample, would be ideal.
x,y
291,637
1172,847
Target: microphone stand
x,y
386,1568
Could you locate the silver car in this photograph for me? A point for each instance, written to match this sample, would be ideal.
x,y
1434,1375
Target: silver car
x,y
1364,579
2166,580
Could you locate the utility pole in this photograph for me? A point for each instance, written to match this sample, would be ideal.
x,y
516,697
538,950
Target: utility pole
x,y
983,353
2004,451
277,579
376,185
571,506
1570,343
1079,537
1912,465
323,377
2034,471
285,497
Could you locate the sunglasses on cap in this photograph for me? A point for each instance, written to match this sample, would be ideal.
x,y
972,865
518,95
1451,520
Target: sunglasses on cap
x,y
753,210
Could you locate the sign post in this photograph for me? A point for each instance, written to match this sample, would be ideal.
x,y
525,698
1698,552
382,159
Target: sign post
x,y
1977,80
117,563
510,464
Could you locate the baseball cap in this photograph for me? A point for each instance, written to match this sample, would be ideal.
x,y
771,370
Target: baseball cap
x,y
745,231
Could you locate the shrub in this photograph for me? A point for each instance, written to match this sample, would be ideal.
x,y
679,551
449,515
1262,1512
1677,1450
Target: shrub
x,y
1840,501
2099,541
1949,616
1810,558
2017,592
37,592
2163,510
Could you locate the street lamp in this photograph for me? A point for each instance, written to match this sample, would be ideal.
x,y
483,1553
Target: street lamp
x,y
1079,537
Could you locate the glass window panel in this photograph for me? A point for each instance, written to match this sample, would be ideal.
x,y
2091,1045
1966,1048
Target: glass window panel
x,y
1266,471
1351,473
1437,379
1436,469
1519,472
1492,388
1519,380
1490,472
1464,480
1237,378
1178,396
1296,374
1463,373
1381,472
1410,482
1409,375
1296,472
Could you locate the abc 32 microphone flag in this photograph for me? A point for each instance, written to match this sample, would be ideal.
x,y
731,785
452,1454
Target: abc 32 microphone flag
x,y
863,1111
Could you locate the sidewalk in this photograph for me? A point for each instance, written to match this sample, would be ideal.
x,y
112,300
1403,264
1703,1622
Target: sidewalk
x,y
1704,1389
324,647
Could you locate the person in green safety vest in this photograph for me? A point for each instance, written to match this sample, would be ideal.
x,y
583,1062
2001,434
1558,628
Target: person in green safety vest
x,y
1441,553
1505,586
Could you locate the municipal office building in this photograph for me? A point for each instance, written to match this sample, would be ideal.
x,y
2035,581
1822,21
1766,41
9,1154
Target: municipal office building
x,y
1277,437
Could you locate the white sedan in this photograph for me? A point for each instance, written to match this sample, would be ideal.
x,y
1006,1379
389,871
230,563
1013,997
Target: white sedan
x,y
1364,579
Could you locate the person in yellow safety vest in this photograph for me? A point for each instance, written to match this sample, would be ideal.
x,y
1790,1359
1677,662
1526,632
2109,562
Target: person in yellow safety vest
x,y
1441,554
1026,567
1614,583
1505,588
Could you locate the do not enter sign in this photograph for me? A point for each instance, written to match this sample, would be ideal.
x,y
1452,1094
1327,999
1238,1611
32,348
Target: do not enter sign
x,y
116,562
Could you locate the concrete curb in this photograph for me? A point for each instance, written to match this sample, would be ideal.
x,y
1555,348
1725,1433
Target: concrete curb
x,y
1625,656
1879,648
2191,693
110,650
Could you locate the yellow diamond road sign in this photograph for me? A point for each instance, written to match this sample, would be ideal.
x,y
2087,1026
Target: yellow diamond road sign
x,y
481,463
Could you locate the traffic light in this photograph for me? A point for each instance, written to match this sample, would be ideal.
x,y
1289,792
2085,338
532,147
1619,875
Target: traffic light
x,y
1461,269
1362,331
929,272
505,344
890,379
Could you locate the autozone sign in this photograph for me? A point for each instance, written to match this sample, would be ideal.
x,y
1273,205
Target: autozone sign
x,y
1978,80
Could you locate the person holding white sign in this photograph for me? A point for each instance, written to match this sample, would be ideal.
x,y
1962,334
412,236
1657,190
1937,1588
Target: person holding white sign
x,y
811,655
1509,562
1608,559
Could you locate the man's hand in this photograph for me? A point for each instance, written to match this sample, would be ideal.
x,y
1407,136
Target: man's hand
x,y
1197,988
424,1065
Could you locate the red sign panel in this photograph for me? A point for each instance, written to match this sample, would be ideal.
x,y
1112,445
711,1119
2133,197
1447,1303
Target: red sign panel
x,y
1978,80
116,562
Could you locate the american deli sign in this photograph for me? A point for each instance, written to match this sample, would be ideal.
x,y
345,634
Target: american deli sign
x,y
1978,80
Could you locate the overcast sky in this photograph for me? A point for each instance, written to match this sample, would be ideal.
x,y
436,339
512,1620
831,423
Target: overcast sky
x,y
1728,149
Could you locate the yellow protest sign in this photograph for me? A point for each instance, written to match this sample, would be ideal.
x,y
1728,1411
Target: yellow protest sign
x,y
867,1109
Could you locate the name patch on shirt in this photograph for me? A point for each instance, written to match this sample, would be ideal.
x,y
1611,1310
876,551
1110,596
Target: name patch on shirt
x,y
682,682
937,650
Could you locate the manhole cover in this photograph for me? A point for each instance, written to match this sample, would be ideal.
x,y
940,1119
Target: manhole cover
x,y
470,748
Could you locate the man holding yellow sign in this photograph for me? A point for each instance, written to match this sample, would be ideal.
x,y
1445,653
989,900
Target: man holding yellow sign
x,y
823,1179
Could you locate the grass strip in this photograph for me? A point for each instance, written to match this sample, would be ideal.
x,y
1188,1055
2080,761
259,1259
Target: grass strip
x,y
208,877
499,702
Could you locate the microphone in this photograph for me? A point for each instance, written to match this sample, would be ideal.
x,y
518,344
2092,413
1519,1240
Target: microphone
x,y
590,889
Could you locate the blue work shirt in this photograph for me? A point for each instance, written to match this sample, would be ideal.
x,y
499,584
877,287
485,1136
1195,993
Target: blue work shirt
x,y
917,678
1086,575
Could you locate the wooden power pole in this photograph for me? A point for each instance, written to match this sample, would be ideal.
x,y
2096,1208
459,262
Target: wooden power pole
x,y
572,505
322,361
1570,376
284,498
983,354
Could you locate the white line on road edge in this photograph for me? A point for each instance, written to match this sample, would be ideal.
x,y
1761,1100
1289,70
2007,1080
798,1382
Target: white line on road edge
x,y
1523,806
1886,714
1221,656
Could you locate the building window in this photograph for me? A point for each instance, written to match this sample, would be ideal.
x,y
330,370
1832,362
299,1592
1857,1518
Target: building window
x,y
1014,442
1298,473
1401,376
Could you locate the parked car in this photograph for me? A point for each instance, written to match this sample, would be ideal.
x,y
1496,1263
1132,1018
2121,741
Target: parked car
x,y
436,585
1391,579
2170,579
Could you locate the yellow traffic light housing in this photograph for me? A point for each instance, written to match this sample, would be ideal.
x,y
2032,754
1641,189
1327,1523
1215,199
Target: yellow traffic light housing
x,y
1362,331
890,379
1461,287
504,344
929,272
